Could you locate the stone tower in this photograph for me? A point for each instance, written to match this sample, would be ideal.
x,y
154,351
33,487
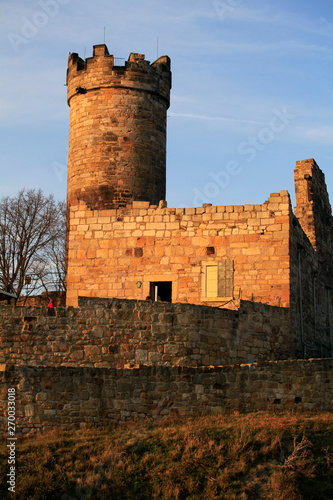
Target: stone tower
x,y
117,133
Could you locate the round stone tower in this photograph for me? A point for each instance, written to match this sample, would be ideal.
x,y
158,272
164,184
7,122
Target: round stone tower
x,y
117,133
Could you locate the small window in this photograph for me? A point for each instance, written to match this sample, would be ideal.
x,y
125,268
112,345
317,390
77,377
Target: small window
x,y
220,279
161,290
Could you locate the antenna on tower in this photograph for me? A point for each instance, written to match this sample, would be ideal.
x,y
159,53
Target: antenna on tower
x,y
157,48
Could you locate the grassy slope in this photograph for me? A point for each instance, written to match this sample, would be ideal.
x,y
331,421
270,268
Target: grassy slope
x,y
271,456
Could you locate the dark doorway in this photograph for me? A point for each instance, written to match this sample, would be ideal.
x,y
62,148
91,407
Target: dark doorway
x,y
161,290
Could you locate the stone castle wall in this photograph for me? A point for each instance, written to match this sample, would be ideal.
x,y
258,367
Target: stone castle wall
x,y
50,397
117,333
112,360
313,208
311,258
311,304
42,300
275,257
110,251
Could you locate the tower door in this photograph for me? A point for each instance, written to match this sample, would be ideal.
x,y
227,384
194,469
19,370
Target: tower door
x,y
161,290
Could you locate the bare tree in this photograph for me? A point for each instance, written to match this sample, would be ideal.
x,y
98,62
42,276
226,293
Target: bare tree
x,y
32,227
55,256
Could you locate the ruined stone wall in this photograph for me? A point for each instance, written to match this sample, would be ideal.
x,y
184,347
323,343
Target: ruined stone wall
x,y
50,397
311,260
122,333
313,208
312,299
111,251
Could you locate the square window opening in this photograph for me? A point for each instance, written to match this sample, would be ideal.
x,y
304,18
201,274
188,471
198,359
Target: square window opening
x,y
161,291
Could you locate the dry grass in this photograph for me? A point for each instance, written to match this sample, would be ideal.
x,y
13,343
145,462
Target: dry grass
x,y
261,455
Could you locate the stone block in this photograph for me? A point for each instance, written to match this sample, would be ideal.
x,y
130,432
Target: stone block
x,y
92,350
141,356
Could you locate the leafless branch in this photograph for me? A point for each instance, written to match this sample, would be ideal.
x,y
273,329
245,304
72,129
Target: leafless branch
x,y
32,241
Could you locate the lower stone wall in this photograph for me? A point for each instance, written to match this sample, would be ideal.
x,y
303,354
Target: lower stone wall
x,y
105,333
42,300
50,397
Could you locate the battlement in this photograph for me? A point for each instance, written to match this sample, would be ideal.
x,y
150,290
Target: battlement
x,y
100,71
280,200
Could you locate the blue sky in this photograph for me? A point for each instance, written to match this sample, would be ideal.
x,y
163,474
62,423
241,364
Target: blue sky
x,y
252,89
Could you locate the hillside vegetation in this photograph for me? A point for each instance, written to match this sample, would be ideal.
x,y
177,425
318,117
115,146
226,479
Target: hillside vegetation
x,y
271,456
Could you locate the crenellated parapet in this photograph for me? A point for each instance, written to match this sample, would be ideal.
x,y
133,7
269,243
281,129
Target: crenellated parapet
x,y
99,71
